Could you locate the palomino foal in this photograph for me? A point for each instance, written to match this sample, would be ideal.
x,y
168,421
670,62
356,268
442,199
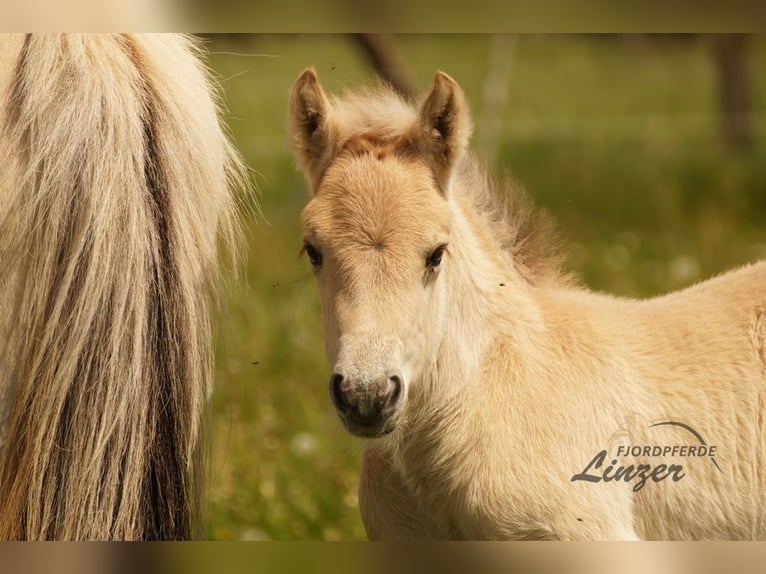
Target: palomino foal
x,y
501,400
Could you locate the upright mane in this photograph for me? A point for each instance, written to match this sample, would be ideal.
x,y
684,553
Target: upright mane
x,y
528,234
377,116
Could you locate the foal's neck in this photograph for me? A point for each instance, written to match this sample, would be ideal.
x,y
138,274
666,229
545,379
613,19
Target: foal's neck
x,y
488,300
488,305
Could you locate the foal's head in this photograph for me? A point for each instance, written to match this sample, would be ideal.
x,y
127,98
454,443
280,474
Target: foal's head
x,y
377,233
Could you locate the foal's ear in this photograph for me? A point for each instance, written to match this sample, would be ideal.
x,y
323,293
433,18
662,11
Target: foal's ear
x,y
443,127
310,125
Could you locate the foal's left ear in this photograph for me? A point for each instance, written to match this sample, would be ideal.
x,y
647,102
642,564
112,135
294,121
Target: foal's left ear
x,y
311,126
443,127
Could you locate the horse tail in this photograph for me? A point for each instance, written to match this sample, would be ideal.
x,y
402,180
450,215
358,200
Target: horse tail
x,y
109,261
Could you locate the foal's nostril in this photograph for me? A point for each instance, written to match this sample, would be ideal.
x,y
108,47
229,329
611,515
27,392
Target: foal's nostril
x,y
336,392
395,381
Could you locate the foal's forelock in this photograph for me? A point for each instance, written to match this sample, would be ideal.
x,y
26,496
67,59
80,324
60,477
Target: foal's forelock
x,y
377,146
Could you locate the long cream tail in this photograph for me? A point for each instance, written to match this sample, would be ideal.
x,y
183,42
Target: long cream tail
x,y
109,237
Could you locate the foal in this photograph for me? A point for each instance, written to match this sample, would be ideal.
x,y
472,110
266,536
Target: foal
x,y
499,399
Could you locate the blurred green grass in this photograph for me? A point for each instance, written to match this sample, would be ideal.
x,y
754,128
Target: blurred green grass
x,y
619,139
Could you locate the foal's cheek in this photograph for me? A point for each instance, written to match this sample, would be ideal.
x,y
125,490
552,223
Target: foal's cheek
x,y
428,333
329,321
436,307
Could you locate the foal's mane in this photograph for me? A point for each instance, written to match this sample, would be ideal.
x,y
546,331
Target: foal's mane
x,y
528,234
379,117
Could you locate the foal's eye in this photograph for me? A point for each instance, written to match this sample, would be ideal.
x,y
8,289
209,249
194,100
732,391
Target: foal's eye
x,y
313,254
435,258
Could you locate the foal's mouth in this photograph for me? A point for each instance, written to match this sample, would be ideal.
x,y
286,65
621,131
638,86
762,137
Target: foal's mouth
x,y
383,428
369,431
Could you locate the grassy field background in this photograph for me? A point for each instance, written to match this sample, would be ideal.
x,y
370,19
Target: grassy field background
x,y
618,138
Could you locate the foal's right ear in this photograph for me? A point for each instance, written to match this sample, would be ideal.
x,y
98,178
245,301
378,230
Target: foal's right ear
x,y
310,125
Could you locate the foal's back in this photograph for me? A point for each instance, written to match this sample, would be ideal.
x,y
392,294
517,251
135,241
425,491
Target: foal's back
x,y
712,337
697,357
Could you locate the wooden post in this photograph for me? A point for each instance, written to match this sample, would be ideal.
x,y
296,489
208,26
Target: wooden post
x,y
734,90
495,95
379,50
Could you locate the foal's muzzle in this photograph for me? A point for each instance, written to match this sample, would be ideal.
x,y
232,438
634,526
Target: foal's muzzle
x,y
367,408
